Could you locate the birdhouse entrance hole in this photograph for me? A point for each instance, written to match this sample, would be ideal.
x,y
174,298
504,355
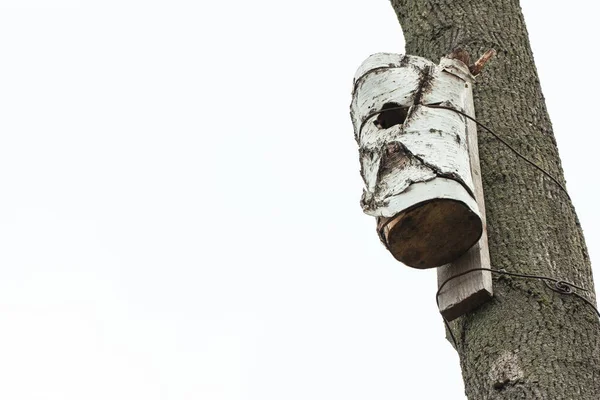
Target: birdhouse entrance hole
x,y
391,114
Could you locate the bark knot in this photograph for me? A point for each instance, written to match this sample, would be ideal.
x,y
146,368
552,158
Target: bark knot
x,y
505,371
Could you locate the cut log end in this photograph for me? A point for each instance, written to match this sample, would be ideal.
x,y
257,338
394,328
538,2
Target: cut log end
x,y
431,234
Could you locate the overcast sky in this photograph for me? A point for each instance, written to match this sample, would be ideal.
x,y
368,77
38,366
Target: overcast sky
x,y
179,201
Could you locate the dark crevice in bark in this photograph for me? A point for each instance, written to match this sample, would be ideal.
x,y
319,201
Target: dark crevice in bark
x,y
397,150
424,84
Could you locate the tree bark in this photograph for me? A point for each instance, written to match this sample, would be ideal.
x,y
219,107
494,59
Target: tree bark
x,y
528,342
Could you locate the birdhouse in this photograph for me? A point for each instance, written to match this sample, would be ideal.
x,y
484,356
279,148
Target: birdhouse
x,y
410,123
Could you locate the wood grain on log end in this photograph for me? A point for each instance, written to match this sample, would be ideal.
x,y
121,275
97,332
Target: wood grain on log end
x,y
431,234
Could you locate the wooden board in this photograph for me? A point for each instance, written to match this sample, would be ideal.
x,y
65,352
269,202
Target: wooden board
x,y
466,293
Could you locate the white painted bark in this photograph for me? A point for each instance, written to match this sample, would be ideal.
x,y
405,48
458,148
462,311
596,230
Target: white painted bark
x,y
430,144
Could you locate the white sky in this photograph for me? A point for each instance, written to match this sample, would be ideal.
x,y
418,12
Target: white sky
x,y
179,201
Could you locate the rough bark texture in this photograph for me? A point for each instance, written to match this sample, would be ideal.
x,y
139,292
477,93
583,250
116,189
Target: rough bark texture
x,y
528,342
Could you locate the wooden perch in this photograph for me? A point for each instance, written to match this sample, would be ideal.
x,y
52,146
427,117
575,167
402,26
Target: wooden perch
x,y
479,64
462,55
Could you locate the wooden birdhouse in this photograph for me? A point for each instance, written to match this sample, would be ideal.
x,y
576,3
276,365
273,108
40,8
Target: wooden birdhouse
x,y
410,125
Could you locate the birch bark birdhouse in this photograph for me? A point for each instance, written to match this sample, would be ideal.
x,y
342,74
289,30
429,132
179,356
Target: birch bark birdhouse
x,y
414,156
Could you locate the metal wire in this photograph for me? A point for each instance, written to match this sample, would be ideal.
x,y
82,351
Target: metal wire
x,y
560,286
543,171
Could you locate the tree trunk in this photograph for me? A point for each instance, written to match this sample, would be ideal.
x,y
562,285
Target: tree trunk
x,y
528,342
